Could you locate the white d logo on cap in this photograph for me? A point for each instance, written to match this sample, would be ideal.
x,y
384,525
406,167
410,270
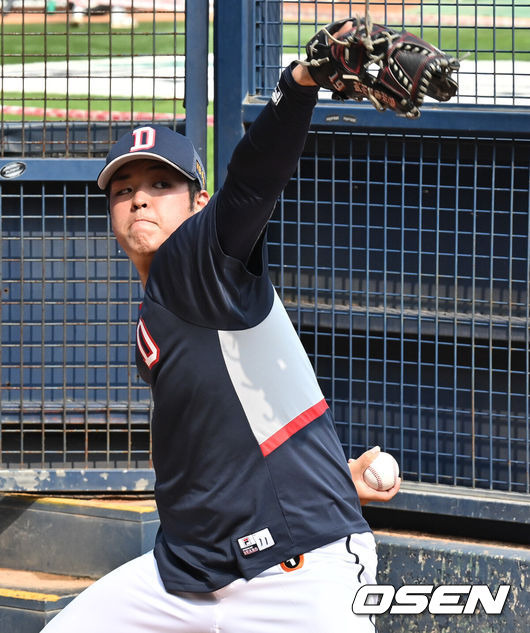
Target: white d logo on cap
x,y
144,138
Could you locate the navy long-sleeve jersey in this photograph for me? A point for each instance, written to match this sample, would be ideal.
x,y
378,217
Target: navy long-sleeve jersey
x,y
249,469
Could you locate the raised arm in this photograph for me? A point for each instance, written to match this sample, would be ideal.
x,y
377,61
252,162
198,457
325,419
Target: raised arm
x,y
263,163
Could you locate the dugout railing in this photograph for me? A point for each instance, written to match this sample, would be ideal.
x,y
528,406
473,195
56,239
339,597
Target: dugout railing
x,y
400,249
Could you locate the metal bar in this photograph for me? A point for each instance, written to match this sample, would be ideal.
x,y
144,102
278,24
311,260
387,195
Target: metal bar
x,y
367,405
196,78
384,338
54,169
43,328
526,366
315,258
2,294
457,119
351,359
436,359
73,479
440,499
510,365
473,429
227,103
20,340
456,434
67,437
491,311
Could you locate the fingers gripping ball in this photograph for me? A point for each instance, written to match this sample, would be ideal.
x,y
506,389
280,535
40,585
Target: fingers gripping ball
x,y
382,473
393,70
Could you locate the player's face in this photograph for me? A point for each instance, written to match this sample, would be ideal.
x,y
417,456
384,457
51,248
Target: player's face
x,y
149,200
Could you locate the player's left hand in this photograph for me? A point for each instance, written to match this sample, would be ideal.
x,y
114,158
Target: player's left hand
x,y
394,70
365,492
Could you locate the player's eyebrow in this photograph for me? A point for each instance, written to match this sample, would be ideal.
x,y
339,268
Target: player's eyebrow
x,y
124,175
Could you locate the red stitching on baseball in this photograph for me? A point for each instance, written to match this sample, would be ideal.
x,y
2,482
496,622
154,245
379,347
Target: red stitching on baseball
x,y
376,475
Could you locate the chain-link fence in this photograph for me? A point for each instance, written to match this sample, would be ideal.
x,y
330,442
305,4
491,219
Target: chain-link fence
x,y
407,274
490,37
74,75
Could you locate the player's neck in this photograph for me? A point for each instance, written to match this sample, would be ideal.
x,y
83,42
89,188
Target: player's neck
x,y
143,265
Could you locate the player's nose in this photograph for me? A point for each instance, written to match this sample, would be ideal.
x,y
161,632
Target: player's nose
x,y
139,199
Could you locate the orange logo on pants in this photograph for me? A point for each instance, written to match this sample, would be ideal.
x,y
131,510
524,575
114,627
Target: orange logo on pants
x,y
292,564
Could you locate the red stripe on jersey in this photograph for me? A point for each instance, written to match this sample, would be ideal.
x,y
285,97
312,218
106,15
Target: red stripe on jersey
x,y
292,427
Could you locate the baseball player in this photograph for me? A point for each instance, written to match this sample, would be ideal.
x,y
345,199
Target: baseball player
x,y
261,528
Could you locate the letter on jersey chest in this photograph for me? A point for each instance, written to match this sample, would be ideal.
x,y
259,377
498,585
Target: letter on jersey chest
x,y
147,346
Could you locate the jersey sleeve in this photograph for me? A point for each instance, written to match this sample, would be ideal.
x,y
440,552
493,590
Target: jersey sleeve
x,y
261,166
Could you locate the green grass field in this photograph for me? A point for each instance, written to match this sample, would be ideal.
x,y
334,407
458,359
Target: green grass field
x,y
58,41
478,43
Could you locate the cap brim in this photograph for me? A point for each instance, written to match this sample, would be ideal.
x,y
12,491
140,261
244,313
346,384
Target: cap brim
x,y
109,170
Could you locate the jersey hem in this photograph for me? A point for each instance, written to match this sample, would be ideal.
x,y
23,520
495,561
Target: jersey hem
x,y
253,571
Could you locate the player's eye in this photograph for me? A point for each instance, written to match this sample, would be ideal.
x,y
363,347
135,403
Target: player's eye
x,y
121,192
161,184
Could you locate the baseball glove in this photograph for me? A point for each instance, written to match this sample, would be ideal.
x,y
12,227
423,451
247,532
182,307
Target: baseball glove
x,y
394,70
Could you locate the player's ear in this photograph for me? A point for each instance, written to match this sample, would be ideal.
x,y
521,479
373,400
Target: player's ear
x,y
201,200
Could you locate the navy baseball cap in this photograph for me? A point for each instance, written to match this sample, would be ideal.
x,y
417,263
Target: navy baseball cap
x,y
158,143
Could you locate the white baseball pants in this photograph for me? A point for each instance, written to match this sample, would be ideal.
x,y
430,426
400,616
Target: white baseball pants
x,y
314,597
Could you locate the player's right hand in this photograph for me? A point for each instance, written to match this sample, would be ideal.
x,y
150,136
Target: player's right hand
x,y
365,492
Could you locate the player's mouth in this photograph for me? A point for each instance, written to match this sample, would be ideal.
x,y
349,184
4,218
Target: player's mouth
x,y
143,220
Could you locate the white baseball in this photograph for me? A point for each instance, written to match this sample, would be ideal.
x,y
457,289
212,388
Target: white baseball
x,y
382,473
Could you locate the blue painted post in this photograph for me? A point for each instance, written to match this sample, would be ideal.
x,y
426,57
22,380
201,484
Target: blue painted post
x,y
196,80
231,54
